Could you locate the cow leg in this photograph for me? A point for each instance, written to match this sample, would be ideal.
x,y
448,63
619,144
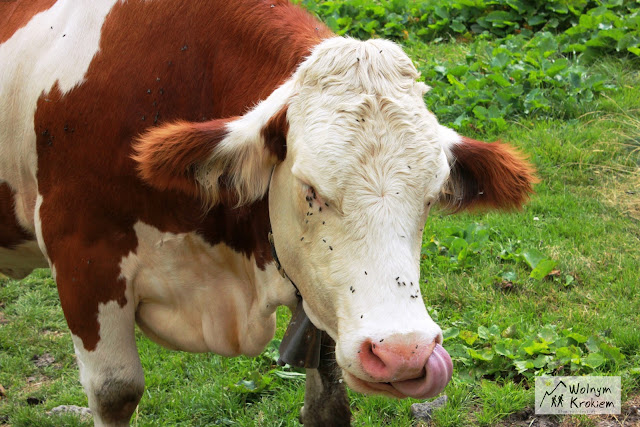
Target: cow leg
x,y
325,400
103,332
111,374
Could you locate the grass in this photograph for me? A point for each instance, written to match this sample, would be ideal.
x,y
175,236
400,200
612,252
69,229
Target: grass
x,y
585,216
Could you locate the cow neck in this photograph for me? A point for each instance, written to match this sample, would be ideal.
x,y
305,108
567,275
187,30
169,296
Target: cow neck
x,y
279,266
301,343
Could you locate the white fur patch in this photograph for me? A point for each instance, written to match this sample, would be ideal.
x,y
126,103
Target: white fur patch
x,y
196,297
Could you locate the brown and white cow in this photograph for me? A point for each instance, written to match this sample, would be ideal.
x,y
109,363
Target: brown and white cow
x,y
147,148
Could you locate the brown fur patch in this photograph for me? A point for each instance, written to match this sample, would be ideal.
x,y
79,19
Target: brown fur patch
x,y
16,14
275,133
488,175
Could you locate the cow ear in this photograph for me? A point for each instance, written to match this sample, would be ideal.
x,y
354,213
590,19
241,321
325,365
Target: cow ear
x,y
486,175
221,161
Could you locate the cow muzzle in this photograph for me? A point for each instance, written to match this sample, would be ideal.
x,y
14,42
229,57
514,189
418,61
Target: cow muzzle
x,y
396,367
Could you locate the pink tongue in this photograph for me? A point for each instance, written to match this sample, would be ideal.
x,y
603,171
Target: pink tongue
x,y
439,369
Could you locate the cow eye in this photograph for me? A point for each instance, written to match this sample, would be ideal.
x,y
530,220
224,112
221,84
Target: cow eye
x,y
310,194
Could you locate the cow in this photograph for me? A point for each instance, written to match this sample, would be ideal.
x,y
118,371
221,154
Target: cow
x,y
190,166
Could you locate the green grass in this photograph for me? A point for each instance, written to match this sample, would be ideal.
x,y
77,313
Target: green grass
x,y
587,207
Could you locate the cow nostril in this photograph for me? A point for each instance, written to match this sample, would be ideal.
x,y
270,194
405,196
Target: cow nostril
x,y
371,363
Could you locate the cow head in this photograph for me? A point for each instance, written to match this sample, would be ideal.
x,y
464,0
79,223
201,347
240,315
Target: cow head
x,y
353,161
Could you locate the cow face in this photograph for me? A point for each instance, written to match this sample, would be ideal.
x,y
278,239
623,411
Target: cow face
x,y
353,161
365,161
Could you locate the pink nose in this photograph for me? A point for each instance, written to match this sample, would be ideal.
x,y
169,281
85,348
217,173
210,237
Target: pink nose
x,y
394,359
415,369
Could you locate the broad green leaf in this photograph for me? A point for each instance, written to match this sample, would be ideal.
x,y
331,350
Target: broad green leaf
x,y
593,360
561,342
612,353
481,112
458,351
593,344
499,79
523,365
541,361
441,12
547,44
500,18
459,71
536,20
483,332
575,336
455,82
557,66
509,276
565,354
532,257
536,347
612,3
486,354
255,384
494,331
543,268
468,336
454,231
500,60
502,349
494,112
568,280
458,245
458,27
450,333
548,334
510,332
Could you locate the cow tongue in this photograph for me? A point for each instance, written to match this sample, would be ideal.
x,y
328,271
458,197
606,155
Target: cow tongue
x,y
438,371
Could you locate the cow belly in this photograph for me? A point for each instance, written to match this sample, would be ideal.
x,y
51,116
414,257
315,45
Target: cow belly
x,y
196,297
221,328
19,261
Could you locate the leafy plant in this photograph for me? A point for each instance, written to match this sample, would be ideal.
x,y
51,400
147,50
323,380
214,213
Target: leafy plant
x,y
526,58
495,353
258,382
607,25
540,265
459,249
